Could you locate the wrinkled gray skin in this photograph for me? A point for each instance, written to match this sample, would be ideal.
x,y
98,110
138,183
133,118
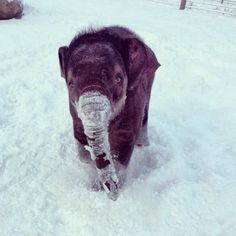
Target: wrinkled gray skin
x,y
109,75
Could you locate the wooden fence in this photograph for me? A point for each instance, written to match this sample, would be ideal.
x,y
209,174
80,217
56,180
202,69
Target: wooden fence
x,y
227,7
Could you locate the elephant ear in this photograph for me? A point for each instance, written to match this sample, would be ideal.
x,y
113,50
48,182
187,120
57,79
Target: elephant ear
x,y
62,54
141,62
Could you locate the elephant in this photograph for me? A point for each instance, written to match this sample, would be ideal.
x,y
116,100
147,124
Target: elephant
x,y
109,74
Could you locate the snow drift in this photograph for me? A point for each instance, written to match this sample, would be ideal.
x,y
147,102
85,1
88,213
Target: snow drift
x,y
182,184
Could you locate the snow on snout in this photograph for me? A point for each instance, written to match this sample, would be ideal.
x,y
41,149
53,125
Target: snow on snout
x,y
94,108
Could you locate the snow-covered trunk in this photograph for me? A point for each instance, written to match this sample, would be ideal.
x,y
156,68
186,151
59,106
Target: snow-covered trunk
x,y
94,109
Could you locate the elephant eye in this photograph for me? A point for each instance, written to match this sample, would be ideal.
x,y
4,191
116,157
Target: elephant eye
x,y
118,79
70,83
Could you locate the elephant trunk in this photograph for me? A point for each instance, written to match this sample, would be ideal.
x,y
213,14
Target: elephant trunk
x,y
94,109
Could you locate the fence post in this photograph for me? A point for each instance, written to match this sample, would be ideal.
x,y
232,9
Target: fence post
x,y
183,4
222,1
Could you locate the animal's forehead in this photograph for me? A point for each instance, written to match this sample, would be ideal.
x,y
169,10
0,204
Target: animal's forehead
x,y
92,53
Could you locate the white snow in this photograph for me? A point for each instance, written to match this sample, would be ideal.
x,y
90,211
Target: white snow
x,y
182,184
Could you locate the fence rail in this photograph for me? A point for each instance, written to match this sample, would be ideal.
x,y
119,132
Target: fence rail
x,y
226,7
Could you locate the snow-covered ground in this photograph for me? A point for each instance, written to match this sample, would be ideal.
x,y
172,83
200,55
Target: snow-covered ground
x,y
184,183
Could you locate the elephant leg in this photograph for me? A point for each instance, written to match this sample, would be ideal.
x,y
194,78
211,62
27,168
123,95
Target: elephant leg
x,y
121,172
143,139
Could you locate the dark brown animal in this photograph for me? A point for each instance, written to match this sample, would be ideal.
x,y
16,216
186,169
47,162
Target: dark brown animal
x,y
109,74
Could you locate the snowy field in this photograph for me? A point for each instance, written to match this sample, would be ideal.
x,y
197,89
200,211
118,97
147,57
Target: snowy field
x,y
183,184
